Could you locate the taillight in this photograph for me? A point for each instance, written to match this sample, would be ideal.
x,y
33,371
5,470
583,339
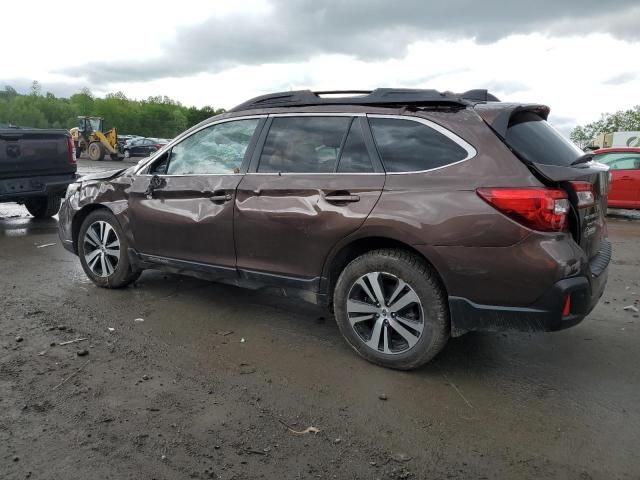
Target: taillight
x,y
543,209
584,192
72,150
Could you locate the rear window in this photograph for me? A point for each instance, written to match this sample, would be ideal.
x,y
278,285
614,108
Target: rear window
x,y
535,141
410,146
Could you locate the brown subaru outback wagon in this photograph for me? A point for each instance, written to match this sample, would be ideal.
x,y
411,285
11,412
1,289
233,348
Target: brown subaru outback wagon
x,y
414,214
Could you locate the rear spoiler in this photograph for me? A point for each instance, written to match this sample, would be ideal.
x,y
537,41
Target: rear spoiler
x,y
497,115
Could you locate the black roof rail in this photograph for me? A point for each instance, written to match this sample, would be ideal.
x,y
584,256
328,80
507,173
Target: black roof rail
x,y
379,96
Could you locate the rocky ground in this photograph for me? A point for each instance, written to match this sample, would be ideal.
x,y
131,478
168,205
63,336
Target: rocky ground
x,y
180,378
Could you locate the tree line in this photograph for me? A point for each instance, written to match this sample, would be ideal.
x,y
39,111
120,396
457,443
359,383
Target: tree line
x,y
620,121
158,116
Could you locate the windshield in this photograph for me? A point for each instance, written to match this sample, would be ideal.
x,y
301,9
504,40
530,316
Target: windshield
x,y
535,141
95,124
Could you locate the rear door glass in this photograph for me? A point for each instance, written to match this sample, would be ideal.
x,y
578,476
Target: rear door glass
x,y
411,146
303,144
535,141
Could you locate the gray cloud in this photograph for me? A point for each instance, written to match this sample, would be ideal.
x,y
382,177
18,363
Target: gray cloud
x,y
366,29
563,124
506,87
621,78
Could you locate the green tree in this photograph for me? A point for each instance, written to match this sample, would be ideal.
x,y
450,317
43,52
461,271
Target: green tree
x,y
580,137
36,89
620,121
158,116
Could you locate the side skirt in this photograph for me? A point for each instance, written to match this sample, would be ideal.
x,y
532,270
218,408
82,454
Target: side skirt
x,y
300,288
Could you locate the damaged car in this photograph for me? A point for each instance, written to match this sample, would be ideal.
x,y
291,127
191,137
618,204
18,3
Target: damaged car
x,y
415,215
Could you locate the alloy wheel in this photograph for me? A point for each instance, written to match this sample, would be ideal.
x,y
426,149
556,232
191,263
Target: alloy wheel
x,y
101,247
386,313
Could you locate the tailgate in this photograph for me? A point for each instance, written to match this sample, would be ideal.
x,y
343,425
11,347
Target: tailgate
x,y
33,152
557,163
587,223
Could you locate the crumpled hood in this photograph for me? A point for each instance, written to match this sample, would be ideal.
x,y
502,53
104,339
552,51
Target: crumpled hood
x,y
106,175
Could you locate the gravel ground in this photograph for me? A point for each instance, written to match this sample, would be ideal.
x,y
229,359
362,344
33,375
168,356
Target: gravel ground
x,y
217,382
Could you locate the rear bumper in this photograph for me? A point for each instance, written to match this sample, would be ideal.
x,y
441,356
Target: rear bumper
x,y
546,314
18,189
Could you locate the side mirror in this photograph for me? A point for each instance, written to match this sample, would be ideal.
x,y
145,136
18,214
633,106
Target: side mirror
x,y
154,184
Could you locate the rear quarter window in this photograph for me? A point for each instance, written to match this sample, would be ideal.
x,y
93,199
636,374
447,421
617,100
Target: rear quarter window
x,y
411,146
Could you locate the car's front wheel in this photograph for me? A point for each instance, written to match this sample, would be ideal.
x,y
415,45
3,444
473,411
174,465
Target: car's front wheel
x,y
127,154
391,308
102,248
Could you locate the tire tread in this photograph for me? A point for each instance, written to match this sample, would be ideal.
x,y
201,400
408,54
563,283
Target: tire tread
x,y
432,279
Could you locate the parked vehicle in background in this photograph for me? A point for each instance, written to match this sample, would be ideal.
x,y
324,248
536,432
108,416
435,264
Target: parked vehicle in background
x,y
618,139
36,166
124,139
142,147
89,136
624,164
418,215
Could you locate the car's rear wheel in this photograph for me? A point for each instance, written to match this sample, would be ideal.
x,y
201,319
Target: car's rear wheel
x,y
391,308
43,207
102,248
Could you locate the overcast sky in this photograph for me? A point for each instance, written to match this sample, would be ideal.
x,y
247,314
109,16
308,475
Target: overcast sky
x,y
580,57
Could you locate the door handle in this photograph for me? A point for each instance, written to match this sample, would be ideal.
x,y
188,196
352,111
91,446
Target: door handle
x,y
626,177
342,198
220,198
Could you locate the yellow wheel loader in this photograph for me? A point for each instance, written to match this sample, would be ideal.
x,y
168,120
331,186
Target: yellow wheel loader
x,y
88,136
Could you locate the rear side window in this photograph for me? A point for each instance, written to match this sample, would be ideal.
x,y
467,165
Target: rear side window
x,y
620,161
410,146
535,141
303,144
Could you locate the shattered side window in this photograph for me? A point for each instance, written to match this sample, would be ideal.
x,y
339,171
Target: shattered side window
x,y
218,149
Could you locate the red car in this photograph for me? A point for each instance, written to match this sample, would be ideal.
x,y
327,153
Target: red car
x,y
625,175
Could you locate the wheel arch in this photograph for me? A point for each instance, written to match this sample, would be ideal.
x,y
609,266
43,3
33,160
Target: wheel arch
x,y
343,255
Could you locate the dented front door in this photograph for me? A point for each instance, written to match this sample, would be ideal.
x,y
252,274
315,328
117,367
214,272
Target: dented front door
x,y
186,217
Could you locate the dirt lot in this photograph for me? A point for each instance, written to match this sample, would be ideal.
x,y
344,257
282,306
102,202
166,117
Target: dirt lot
x,y
215,380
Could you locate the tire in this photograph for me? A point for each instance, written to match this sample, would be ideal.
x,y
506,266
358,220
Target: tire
x,y
408,336
43,207
115,271
95,151
127,154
